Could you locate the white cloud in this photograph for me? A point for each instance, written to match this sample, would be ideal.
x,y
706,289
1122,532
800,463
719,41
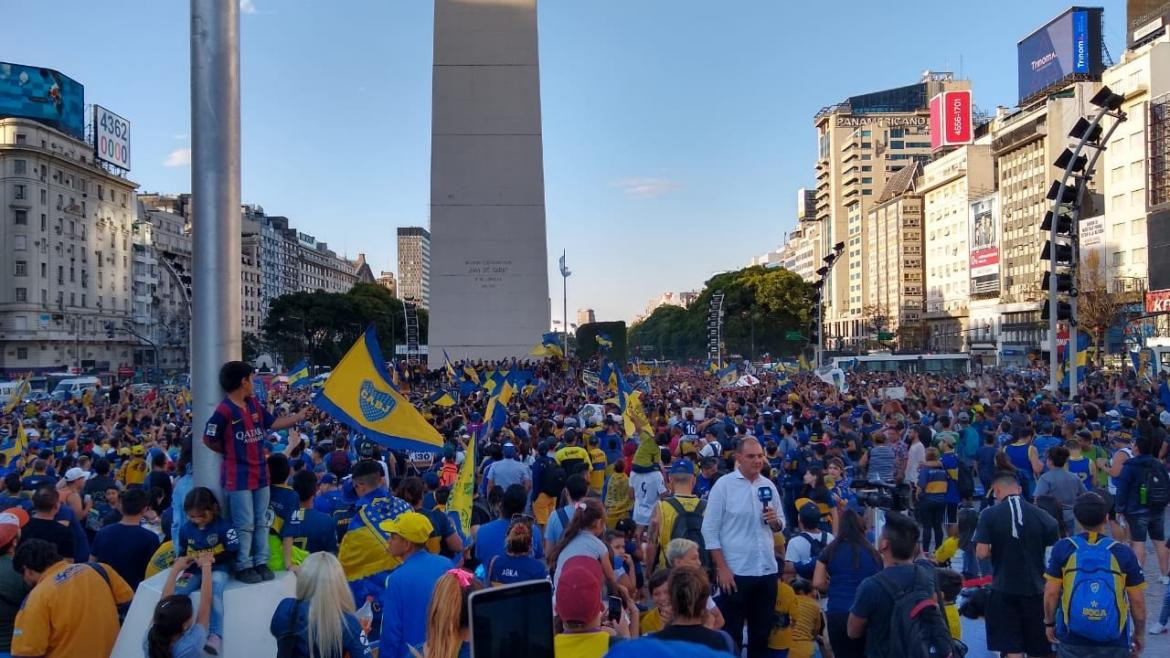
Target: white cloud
x,y
247,6
646,188
178,158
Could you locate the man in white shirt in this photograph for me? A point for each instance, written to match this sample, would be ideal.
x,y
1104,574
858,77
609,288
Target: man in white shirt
x,y
743,515
647,488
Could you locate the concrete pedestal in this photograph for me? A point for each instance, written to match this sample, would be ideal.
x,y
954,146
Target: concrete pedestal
x,y
247,612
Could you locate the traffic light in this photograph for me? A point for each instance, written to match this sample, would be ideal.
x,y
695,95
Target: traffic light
x,y
1064,282
1063,311
1063,223
1063,252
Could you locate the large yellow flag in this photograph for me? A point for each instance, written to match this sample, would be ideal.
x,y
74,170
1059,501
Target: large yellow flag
x,y
18,396
359,393
19,444
463,491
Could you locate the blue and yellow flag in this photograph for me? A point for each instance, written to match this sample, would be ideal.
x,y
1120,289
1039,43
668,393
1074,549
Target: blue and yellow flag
x,y
14,447
359,393
298,375
18,396
1081,359
728,376
442,398
609,376
497,409
450,367
550,345
463,491
603,341
472,374
802,364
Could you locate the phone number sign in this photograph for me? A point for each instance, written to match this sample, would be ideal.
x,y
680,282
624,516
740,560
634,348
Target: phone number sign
x,y
111,138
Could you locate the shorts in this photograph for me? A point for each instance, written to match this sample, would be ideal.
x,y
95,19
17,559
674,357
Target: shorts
x,y
542,507
1015,624
1064,650
951,514
1147,524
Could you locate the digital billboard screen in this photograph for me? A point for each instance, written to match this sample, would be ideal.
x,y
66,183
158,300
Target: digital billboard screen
x,y
1068,47
985,245
1144,19
45,95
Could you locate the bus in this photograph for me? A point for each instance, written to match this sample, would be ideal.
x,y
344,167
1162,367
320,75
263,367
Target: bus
x,y
919,363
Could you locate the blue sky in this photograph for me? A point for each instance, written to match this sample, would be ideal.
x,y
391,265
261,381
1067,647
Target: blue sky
x,y
676,132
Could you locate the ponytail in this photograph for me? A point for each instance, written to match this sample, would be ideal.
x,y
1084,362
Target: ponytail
x,y
169,616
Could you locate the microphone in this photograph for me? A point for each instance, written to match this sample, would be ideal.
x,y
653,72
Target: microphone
x,y
765,495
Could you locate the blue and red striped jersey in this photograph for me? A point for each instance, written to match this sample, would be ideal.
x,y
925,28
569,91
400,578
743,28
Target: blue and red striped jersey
x,y
238,434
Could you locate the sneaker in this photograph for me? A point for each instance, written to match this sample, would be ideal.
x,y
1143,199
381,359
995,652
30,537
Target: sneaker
x,y
213,645
248,576
265,572
1157,629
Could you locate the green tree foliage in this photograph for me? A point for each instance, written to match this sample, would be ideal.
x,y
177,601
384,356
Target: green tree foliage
x,y
761,305
587,346
323,325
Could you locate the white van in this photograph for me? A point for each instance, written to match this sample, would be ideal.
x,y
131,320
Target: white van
x,y
75,387
7,390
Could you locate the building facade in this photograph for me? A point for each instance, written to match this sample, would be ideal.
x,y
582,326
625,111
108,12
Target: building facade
x,y
414,264
66,229
585,316
894,265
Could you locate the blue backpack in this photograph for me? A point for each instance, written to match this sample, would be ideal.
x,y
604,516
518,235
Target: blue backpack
x,y
1093,603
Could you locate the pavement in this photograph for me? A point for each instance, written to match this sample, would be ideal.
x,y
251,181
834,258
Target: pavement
x,y
1157,646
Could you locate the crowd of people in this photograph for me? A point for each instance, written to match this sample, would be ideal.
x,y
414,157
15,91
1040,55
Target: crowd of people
x,y
793,517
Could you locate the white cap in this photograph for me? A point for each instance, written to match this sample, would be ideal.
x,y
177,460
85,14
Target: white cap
x,y
74,474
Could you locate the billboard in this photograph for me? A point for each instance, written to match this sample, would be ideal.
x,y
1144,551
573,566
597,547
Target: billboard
x,y
1158,255
1067,48
44,95
111,138
985,245
950,119
1144,20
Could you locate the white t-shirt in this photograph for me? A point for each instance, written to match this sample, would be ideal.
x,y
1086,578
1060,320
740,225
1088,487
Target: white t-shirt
x,y
647,488
800,550
914,459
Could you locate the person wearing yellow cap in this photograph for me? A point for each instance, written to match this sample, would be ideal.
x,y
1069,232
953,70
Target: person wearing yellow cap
x,y
408,588
133,470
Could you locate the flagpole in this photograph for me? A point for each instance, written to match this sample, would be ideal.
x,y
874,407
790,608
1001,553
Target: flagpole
x,y
565,298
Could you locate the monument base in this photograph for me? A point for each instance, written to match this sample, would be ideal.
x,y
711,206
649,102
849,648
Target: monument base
x,y
247,612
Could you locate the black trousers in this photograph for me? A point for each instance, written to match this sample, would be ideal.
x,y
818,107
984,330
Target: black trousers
x,y
753,602
930,516
843,645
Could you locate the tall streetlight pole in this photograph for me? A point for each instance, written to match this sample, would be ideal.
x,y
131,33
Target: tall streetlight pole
x,y
215,189
565,272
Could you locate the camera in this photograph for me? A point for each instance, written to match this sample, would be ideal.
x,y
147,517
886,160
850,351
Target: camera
x,y
884,495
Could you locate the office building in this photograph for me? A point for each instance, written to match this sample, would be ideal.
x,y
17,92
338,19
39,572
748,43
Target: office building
x,y
894,271
585,316
387,281
66,226
862,142
414,265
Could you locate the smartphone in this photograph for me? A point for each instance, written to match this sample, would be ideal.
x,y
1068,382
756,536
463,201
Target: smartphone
x,y
514,621
615,608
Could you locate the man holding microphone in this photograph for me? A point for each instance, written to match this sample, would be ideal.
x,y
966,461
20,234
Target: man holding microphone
x,y
743,515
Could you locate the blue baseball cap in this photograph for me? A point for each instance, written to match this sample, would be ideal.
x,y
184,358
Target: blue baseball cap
x,y
682,467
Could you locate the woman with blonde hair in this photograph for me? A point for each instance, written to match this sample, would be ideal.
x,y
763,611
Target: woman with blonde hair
x,y
320,622
448,625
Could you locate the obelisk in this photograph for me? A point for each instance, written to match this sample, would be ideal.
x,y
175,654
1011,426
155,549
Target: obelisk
x,y
489,258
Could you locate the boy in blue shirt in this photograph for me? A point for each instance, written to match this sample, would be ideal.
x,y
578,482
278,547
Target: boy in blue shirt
x,y
307,528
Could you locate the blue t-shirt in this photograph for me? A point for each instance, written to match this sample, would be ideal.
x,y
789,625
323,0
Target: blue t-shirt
x,y
1062,551
509,569
126,548
352,641
282,502
844,578
189,645
556,526
311,530
489,541
218,539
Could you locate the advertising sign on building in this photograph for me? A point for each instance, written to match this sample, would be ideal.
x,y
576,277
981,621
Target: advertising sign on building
x,y
950,119
43,95
1144,20
111,138
1157,301
985,245
1065,49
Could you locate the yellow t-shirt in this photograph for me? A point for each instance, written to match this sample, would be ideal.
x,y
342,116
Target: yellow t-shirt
x,y
668,515
133,471
597,472
781,637
952,612
581,645
650,622
807,624
76,592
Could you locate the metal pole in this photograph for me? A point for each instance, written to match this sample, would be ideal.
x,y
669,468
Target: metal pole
x,y
820,328
215,188
565,300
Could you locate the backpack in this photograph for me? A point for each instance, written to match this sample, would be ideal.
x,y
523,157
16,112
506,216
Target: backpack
x,y
805,568
1157,485
1092,584
552,480
918,627
689,525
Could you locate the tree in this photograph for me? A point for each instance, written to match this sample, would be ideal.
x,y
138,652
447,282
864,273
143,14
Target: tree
x,y
253,346
1097,306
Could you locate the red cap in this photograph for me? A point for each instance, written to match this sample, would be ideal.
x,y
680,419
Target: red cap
x,y
11,521
579,590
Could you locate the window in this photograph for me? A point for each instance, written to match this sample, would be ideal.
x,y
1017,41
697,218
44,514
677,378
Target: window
x,y
1117,259
18,191
22,268
20,217
21,138
866,181
22,353
1139,256
19,242
44,197
897,144
20,167
22,294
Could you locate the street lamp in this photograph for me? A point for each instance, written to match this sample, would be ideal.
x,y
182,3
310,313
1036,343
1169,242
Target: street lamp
x,y
818,298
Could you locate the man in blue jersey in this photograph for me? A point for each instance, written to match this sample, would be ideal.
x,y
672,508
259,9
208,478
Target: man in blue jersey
x,y
236,430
